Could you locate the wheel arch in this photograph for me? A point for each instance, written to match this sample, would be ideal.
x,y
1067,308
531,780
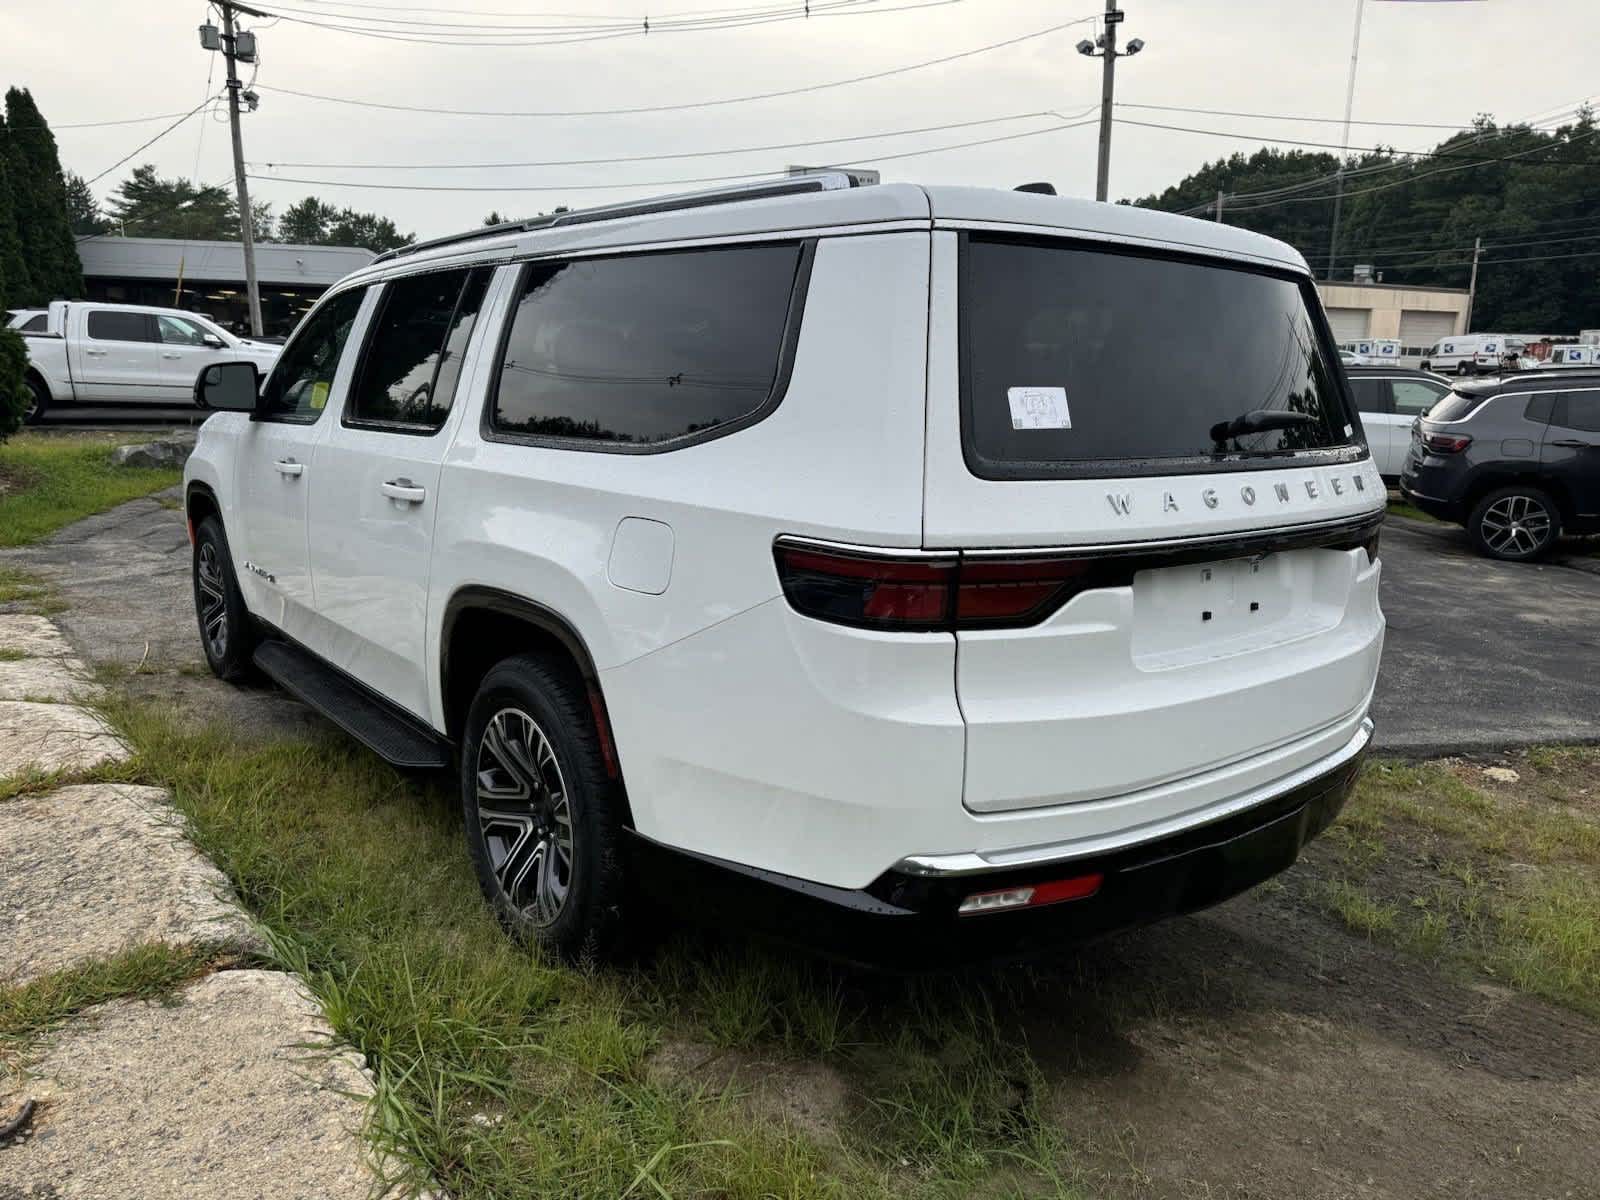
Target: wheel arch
x,y
200,502
1492,481
484,625
32,374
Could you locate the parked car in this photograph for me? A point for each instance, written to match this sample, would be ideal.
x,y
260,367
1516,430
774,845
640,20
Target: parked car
x,y
26,320
828,558
127,352
1516,461
1471,353
1390,400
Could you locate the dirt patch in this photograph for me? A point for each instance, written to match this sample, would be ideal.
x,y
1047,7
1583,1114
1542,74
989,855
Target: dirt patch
x,y
810,1096
14,477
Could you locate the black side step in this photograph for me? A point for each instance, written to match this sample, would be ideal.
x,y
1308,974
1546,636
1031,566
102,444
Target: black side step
x,y
396,736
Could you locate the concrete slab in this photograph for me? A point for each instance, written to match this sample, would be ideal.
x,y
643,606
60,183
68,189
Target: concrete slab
x,y
37,637
54,737
90,870
58,678
213,1097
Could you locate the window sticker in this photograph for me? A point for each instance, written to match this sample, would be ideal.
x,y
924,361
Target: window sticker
x,y
1039,408
319,396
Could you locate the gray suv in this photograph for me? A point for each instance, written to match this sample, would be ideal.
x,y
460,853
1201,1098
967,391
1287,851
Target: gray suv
x,y
1515,460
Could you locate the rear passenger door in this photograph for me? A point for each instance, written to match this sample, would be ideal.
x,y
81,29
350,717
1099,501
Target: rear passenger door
x,y
1571,453
1372,399
119,356
1408,400
376,482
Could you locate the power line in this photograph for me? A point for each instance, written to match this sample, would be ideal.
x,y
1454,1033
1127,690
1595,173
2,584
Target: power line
x,y
1227,112
659,183
583,162
152,141
693,104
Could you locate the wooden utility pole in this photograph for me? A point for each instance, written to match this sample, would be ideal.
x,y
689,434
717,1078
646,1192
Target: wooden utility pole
x,y
247,235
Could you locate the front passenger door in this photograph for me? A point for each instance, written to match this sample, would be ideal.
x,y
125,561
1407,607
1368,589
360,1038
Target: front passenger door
x,y
1372,400
272,474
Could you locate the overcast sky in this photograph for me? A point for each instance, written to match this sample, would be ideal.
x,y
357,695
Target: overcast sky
x,y
102,60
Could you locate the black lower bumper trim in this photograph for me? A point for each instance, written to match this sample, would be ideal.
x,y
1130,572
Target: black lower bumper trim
x,y
906,922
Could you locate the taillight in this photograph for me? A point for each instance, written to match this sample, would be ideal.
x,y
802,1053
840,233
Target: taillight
x,y
873,591
926,592
1080,887
1446,443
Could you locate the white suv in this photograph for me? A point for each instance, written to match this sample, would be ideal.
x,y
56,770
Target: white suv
x,y
899,569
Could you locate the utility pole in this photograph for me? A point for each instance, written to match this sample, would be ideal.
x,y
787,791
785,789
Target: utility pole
x,y
247,235
1105,47
1472,286
1219,206
1344,152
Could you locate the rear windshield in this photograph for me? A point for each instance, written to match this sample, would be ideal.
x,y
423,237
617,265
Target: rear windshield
x,y
1457,405
1085,361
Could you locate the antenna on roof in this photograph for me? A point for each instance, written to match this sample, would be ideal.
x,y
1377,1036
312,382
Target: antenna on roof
x,y
1041,189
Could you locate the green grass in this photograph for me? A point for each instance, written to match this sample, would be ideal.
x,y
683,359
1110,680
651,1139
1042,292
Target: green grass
x,y
55,480
501,1074
1400,508
1503,880
28,592
147,972
8,654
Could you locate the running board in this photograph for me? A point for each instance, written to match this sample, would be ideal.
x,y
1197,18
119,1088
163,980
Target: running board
x,y
394,735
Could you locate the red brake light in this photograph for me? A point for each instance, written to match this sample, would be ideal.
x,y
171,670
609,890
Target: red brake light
x,y
872,591
1446,443
1007,590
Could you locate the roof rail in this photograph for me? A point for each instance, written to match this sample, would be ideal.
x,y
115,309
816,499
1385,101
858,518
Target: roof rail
x,y
819,181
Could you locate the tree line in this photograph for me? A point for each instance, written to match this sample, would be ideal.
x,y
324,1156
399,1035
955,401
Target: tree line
x,y
1529,194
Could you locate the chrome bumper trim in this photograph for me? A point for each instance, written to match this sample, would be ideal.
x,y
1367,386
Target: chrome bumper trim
x,y
973,862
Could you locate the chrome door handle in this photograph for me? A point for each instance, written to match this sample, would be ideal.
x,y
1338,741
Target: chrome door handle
x,y
404,490
288,466
170,354
95,353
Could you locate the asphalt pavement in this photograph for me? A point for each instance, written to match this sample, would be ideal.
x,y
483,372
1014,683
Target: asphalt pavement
x,y
1484,655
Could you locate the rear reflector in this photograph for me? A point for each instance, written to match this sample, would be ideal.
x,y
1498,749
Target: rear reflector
x,y
1080,887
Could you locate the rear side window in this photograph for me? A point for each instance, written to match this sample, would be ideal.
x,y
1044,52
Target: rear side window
x,y
636,351
1082,361
1413,397
1372,395
408,375
34,324
1577,410
107,325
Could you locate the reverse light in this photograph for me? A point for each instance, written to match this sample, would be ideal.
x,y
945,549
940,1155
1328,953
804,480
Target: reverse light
x,y
1080,887
1446,443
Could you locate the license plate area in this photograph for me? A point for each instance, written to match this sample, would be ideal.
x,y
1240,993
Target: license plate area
x,y
1197,612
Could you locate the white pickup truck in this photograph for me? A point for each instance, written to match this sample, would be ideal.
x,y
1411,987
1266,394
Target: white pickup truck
x,y
127,352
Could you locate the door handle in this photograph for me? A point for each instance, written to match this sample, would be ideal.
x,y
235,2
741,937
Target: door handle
x,y
404,490
170,354
95,353
288,466
1574,444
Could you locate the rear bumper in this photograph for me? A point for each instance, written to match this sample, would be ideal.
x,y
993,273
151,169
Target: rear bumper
x,y
907,918
1434,506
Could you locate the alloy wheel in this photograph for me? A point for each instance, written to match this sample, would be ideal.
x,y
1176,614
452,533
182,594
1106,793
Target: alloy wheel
x,y
1516,526
525,815
213,601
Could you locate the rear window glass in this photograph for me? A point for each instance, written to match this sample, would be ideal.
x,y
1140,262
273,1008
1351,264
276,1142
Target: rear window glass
x,y
1076,358
647,348
1457,405
110,326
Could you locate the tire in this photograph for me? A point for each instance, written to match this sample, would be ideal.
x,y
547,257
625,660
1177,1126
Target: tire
x,y
39,405
1461,369
530,736
1514,524
227,635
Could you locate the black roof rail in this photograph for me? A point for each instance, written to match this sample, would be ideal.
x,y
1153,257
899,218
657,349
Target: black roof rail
x,y
819,181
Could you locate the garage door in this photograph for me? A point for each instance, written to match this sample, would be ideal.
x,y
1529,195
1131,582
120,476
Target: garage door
x,y
1419,329
1349,324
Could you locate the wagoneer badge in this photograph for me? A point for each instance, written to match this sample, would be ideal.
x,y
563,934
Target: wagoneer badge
x,y
1122,502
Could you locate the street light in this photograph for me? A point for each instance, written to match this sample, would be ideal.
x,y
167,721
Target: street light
x,y
1105,47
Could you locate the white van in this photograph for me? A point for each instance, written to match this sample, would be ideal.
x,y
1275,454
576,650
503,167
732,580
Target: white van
x,y
821,556
1573,356
1471,353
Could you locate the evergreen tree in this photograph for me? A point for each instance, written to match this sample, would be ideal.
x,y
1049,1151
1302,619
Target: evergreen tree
x,y
40,202
312,222
146,205
83,210
14,281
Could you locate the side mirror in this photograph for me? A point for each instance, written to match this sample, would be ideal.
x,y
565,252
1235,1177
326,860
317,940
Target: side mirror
x,y
228,387
212,340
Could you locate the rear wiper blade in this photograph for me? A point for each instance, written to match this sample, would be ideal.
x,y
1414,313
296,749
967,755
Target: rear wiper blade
x,y
1259,421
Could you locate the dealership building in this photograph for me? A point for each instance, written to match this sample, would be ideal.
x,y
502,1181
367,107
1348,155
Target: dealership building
x,y
1417,316
208,277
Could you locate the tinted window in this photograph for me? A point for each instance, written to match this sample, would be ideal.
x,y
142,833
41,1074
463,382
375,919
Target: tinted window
x,y
175,331
1539,408
1457,405
1413,396
645,348
1372,395
303,377
35,323
1578,410
108,325
408,374
1074,355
